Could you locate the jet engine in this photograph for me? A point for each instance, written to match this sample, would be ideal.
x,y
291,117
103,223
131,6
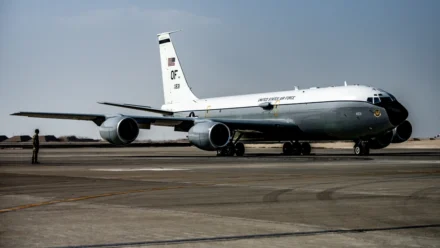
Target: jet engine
x,y
402,132
209,136
119,130
398,135
381,141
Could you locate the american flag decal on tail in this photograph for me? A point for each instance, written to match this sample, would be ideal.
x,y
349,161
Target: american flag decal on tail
x,y
171,61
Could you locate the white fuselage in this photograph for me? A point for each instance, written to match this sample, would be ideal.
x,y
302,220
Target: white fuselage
x,y
299,96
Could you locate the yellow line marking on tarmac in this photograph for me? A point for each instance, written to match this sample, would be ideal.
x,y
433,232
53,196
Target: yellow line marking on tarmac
x,y
84,198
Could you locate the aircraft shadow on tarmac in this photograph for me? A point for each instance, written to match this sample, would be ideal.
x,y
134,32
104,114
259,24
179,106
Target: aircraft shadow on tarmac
x,y
256,236
434,153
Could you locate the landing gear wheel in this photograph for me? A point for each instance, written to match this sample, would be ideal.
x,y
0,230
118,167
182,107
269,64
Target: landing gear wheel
x,y
362,148
229,150
239,149
306,148
296,148
366,149
287,148
221,152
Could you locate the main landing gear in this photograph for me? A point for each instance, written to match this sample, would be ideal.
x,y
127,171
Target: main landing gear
x,y
361,148
232,148
296,148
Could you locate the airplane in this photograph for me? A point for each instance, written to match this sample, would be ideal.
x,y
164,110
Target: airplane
x,y
369,116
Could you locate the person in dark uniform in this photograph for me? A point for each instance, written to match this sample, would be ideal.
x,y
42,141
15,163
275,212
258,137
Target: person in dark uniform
x,y
35,146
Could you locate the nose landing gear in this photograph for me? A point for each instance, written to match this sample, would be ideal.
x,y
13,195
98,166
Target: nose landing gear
x,y
361,148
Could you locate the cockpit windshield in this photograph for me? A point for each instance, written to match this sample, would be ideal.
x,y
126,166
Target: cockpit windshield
x,y
392,97
373,100
381,98
386,99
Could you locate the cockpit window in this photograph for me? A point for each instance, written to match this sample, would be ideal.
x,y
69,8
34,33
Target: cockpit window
x,y
392,97
374,100
383,99
386,99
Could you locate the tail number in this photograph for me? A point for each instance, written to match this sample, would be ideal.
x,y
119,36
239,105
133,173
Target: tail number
x,y
174,74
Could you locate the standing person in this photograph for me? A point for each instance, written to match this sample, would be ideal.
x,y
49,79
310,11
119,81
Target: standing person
x,y
35,146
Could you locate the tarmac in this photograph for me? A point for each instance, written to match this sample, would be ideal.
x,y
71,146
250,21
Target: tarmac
x,y
184,197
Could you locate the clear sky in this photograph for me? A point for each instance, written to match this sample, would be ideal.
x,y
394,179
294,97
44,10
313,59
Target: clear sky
x,y
64,56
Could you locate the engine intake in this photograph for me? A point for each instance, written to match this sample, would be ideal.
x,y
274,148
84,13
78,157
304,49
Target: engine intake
x,y
398,135
209,136
381,141
402,132
119,130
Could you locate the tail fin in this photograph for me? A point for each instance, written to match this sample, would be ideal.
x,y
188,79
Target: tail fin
x,y
175,87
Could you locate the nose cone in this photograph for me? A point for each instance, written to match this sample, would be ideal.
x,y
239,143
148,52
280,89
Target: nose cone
x,y
396,112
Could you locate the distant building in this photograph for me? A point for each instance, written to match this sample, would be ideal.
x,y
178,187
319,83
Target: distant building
x,y
3,138
47,138
19,138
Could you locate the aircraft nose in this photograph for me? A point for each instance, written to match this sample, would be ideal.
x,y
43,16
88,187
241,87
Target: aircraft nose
x,y
396,112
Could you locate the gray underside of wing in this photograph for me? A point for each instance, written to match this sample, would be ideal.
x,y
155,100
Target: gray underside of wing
x,y
180,123
185,123
96,118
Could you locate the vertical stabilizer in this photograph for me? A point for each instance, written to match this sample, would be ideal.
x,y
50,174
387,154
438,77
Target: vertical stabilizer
x,y
175,87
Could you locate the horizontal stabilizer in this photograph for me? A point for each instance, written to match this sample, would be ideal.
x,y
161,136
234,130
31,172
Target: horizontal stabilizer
x,y
138,107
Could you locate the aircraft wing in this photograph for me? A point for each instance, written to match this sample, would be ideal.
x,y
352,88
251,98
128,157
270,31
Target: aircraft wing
x,y
138,107
97,119
180,123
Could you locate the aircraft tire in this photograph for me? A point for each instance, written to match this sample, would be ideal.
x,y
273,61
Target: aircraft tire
x,y
358,149
221,152
239,149
287,148
306,148
297,148
366,149
362,149
229,150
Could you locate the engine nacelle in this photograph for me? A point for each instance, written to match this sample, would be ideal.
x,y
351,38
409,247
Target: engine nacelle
x,y
209,136
381,141
119,130
402,132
